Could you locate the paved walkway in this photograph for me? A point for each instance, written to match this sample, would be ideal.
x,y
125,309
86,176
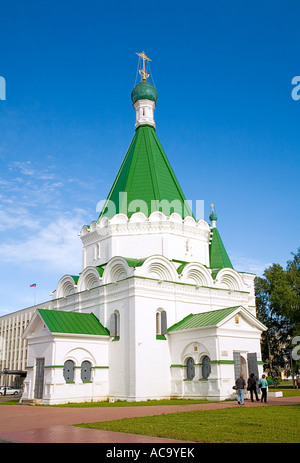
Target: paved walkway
x,y
31,424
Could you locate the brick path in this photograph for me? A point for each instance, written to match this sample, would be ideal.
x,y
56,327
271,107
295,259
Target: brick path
x,y
31,424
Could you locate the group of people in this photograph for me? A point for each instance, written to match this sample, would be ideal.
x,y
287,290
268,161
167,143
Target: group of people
x,y
252,385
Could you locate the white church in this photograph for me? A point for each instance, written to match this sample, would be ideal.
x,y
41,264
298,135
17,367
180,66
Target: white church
x,y
157,311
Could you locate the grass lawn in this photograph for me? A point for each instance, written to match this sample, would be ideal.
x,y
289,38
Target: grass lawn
x,y
273,424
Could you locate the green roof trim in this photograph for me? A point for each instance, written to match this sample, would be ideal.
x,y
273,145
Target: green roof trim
x,y
200,320
134,262
218,256
146,174
59,321
100,269
75,278
181,267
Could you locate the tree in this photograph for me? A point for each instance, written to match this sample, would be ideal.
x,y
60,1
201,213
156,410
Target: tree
x,y
278,307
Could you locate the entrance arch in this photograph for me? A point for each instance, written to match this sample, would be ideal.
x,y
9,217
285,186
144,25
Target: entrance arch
x,y
244,367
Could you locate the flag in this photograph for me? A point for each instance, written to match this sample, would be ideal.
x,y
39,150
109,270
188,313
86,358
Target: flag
x,y
33,285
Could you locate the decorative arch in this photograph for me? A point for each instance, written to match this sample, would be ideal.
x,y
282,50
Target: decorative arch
x,y
66,286
89,279
202,224
196,350
138,217
85,229
197,274
119,219
79,355
175,217
157,216
229,279
189,221
104,222
117,269
159,268
93,226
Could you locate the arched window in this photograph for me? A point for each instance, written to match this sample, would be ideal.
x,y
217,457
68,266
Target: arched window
x,y
161,322
157,323
86,371
115,325
96,251
206,368
69,371
190,368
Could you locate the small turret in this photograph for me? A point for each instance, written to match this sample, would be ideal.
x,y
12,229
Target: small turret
x,y
213,217
144,97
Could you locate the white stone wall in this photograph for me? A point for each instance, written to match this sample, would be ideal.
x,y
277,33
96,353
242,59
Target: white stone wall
x,y
218,343
56,350
140,237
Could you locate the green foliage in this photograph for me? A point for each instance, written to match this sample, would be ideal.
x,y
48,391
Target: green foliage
x,y
278,307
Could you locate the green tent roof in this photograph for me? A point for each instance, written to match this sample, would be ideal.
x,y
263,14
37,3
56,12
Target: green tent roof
x,y
199,320
59,321
146,174
218,256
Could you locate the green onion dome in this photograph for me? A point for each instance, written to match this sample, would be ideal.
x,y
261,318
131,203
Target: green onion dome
x,y
213,216
144,91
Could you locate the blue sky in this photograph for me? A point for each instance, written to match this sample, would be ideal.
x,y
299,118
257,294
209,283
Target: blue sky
x,y
225,117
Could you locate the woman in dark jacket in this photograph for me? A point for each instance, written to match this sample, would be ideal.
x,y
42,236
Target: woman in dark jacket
x,y
252,386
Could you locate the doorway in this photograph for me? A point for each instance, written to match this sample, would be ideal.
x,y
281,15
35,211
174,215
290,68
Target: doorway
x,y
244,367
240,365
39,378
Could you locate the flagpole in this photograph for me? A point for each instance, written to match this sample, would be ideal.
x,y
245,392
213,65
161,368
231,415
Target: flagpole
x,y
34,285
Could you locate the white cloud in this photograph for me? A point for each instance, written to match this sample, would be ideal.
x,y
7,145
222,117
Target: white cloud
x,y
55,245
11,218
248,264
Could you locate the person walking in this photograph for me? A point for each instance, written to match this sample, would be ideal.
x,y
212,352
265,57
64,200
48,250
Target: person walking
x,y
252,387
240,388
263,384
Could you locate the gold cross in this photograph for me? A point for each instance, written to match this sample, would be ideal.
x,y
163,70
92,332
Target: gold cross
x,y
212,207
143,71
